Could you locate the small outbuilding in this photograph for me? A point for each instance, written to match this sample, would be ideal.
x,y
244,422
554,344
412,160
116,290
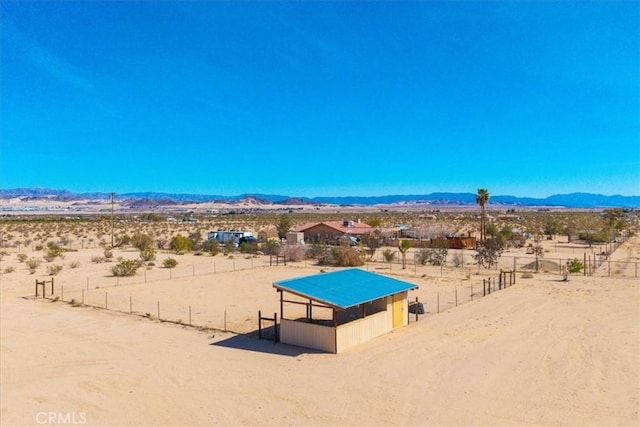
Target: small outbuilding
x,y
351,306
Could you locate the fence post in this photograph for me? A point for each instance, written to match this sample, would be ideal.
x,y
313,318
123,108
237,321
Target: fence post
x,y
158,309
584,270
62,293
456,296
438,302
259,324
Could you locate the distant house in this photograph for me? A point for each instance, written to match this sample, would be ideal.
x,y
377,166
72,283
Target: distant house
x,y
344,308
332,231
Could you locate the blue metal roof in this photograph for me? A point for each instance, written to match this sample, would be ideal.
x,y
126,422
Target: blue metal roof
x,y
344,288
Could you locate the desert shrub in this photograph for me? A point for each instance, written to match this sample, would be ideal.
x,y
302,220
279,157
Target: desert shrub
x,y
22,257
389,255
433,256
52,253
196,240
248,247
125,268
229,247
97,259
39,247
573,266
457,260
272,247
211,246
54,269
108,254
488,252
123,240
294,253
169,263
148,254
74,264
142,241
342,256
316,250
9,269
161,243
33,264
3,254
180,244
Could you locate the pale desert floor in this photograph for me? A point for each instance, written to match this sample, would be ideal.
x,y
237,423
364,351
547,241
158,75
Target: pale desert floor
x,y
542,352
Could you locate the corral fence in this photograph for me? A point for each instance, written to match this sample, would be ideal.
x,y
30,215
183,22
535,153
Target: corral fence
x,y
120,294
596,263
437,302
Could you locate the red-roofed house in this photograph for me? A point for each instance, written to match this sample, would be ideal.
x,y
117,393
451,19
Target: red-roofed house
x,y
332,231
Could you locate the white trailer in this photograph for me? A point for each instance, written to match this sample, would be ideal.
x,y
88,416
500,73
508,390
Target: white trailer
x,y
223,236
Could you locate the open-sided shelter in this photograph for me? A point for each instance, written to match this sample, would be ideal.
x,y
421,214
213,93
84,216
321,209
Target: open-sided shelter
x,y
363,305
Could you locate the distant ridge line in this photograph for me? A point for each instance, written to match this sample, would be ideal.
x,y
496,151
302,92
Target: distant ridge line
x,y
571,200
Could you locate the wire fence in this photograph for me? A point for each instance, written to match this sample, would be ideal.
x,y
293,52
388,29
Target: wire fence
x,y
196,303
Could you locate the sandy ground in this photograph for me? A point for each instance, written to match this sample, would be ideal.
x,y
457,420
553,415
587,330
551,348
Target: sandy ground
x,y
542,352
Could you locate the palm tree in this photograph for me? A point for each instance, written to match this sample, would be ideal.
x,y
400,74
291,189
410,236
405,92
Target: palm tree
x,y
482,198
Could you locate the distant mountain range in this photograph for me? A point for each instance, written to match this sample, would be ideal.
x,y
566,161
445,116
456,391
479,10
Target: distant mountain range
x,y
573,200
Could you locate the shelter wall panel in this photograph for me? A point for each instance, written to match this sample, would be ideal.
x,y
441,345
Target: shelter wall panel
x,y
362,330
308,335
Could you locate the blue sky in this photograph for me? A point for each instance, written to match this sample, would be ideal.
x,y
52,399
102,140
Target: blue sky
x,y
321,98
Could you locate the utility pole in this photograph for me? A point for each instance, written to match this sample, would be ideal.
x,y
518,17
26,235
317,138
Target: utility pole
x,y
112,194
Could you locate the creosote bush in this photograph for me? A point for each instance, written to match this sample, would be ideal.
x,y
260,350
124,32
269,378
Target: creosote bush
x,y
126,268
33,264
169,263
147,254
54,269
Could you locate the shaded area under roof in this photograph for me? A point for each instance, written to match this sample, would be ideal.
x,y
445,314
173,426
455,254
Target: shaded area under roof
x,y
344,288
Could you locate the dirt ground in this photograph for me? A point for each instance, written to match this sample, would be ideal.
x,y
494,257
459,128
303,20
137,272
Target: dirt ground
x,y
540,352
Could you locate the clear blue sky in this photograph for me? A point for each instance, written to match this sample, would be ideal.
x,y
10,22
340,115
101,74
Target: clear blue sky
x,y
321,98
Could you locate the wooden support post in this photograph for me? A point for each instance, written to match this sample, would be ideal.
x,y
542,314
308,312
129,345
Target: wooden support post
x,y
456,296
438,302
259,324
275,326
417,305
